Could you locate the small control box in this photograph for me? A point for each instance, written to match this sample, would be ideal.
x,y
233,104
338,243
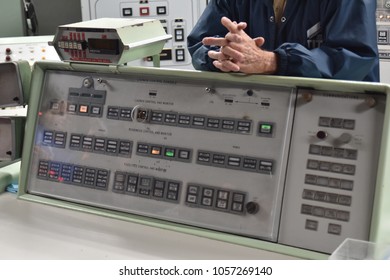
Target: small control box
x,y
177,17
109,40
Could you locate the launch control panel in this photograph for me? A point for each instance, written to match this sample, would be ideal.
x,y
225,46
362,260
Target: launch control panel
x,y
273,163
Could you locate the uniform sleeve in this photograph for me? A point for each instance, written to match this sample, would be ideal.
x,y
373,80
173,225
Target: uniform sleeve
x,y
349,50
208,25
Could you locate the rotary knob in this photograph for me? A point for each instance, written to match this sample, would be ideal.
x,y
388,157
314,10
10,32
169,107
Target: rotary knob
x,y
252,207
322,134
307,96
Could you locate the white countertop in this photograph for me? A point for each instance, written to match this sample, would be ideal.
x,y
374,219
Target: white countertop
x,y
31,230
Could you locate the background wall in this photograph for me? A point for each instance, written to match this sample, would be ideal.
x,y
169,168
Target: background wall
x,y
51,13
12,18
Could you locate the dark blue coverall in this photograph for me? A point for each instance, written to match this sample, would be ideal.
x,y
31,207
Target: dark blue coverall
x,y
334,39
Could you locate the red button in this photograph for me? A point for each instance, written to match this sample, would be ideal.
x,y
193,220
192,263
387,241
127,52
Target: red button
x,y
144,11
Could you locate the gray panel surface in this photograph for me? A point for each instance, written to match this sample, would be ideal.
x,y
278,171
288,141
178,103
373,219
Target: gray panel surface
x,y
118,164
332,169
7,145
291,166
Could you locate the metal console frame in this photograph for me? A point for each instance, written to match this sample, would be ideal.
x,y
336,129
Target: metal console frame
x,y
380,226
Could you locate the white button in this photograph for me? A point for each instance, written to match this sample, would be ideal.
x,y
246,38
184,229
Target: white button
x,y
271,19
283,19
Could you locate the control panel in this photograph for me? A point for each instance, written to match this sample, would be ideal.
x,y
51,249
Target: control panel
x,y
178,17
29,49
383,28
226,153
332,168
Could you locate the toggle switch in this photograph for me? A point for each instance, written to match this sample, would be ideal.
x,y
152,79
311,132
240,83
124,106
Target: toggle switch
x,y
344,138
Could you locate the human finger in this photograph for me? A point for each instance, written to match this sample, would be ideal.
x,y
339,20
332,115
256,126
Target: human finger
x,y
226,66
230,25
232,51
217,55
241,25
233,26
259,41
214,41
233,37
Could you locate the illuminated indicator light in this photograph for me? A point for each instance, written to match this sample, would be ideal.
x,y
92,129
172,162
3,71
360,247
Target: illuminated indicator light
x,y
40,114
83,109
156,151
265,128
169,153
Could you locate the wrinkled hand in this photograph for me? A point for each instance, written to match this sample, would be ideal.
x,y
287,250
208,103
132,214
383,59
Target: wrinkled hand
x,y
239,52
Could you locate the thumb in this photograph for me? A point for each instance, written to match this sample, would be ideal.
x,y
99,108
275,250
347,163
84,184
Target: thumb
x,y
259,41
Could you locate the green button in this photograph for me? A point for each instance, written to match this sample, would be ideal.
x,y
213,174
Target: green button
x,y
170,153
265,128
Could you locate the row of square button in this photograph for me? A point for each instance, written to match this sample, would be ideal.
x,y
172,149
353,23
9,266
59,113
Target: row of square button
x,y
333,167
333,152
147,186
332,228
90,110
114,147
143,11
336,123
334,198
120,113
74,174
164,152
54,138
86,102
74,45
201,122
329,182
215,198
235,162
323,212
